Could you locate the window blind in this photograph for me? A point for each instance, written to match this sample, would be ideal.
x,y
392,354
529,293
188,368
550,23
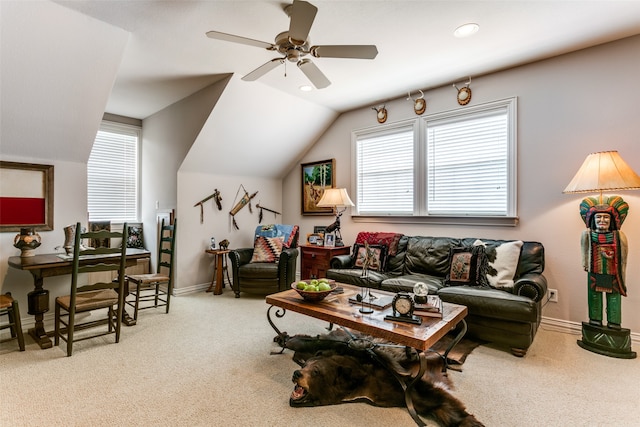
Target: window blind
x,y
467,164
112,174
385,172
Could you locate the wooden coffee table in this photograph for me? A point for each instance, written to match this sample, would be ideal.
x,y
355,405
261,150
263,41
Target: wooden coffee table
x,y
336,309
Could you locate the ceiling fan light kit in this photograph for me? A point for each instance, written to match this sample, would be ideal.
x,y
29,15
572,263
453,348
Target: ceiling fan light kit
x,y
294,45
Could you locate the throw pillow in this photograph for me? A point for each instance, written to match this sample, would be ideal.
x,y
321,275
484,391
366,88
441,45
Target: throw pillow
x,y
390,240
503,262
134,240
467,266
379,256
267,249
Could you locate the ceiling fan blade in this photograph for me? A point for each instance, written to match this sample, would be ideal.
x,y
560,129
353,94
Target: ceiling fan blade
x,y
302,15
313,73
263,69
237,39
345,51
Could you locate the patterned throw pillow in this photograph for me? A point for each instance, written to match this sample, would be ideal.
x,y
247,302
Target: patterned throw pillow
x,y
267,249
379,256
135,237
467,266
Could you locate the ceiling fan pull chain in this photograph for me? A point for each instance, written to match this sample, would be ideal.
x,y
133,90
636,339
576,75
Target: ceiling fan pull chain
x,y
285,68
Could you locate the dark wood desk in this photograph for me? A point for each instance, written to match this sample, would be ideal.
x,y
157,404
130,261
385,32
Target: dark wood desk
x,y
49,265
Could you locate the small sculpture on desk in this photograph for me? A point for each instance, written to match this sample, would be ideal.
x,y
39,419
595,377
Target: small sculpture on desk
x,y
368,260
224,245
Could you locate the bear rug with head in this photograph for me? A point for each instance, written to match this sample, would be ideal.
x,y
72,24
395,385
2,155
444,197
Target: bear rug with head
x,y
344,366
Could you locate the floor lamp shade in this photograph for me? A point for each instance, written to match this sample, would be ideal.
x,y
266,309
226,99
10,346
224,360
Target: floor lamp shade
x,y
603,171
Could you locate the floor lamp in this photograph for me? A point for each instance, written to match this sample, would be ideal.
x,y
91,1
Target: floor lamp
x,y
604,249
335,198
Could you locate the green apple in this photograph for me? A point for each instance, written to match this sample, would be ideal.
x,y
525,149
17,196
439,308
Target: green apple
x,y
323,280
314,282
310,288
324,287
301,285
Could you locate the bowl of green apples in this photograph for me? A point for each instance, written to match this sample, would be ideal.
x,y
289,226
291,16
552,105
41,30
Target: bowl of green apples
x,y
314,290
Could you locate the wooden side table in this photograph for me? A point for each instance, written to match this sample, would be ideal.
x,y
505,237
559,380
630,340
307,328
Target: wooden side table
x,y
218,274
315,260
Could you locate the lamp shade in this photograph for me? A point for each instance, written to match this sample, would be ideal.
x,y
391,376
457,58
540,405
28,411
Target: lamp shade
x,y
335,197
601,172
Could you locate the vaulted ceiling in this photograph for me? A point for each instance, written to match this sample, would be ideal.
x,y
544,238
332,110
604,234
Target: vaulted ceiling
x,y
64,62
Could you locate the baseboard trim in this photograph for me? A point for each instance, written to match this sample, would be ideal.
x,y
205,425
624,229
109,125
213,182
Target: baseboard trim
x,y
574,328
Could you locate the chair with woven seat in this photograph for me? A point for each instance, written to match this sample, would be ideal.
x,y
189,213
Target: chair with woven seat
x,y
108,295
9,307
156,287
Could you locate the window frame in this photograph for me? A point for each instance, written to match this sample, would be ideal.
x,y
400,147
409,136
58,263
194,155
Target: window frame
x,y
420,214
125,129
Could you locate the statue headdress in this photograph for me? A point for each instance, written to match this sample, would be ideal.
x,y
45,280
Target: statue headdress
x,y
615,206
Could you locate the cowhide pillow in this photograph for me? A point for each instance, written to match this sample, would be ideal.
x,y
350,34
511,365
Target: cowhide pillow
x,y
503,262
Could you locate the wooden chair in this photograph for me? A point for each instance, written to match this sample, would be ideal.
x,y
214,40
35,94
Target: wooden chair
x,y
107,295
9,307
156,287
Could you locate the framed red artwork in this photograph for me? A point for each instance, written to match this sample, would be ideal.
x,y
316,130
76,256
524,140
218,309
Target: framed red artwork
x,y
26,196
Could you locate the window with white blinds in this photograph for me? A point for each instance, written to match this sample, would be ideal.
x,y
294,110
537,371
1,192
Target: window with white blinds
x,y
385,171
460,163
112,174
468,163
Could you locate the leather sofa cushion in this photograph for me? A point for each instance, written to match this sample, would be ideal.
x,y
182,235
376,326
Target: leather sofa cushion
x,y
353,277
429,255
492,303
259,270
407,282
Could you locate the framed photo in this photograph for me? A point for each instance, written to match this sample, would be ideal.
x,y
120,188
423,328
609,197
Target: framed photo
x,y
313,238
316,177
26,196
330,240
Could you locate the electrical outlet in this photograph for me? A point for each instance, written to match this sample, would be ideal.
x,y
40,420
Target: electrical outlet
x,y
553,295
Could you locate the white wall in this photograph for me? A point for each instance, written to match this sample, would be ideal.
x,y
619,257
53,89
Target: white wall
x,y
568,107
195,269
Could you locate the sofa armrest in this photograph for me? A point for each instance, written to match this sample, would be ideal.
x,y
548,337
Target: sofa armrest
x,y
531,285
341,261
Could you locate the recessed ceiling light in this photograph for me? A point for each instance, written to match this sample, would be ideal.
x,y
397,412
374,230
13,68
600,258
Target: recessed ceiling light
x,y
466,30
305,88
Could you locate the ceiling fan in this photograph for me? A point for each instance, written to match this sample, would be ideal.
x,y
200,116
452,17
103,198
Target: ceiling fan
x,y
294,45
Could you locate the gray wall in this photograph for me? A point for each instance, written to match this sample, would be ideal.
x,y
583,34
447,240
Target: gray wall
x,y
568,107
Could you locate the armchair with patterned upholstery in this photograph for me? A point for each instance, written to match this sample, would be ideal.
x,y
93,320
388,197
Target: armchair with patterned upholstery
x,y
270,265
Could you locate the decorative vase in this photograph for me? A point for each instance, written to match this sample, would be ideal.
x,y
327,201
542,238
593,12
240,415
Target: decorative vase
x,y
27,241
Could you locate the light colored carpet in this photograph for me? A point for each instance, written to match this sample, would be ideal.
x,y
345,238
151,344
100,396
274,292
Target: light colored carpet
x,y
207,363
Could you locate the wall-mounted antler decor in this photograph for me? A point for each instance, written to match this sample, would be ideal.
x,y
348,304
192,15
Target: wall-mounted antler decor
x,y
464,93
419,104
381,114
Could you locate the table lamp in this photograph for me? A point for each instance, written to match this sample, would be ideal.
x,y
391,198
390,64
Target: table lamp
x,y
335,198
604,249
